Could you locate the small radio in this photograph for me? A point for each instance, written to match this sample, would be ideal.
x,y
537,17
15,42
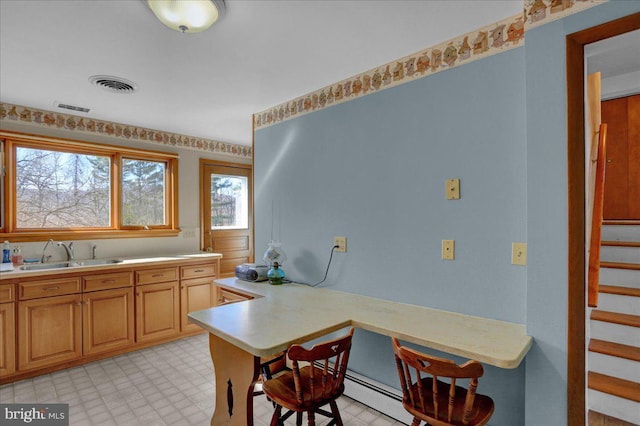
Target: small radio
x,y
252,272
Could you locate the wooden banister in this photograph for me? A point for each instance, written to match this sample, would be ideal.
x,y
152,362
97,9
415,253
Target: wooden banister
x,y
596,219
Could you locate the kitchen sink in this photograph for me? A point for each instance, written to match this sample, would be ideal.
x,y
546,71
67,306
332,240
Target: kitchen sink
x,y
75,263
91,262
38,266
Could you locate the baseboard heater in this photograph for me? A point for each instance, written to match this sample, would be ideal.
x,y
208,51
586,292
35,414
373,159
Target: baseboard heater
x,y
376,395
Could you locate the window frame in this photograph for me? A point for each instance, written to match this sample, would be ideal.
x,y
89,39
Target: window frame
x,y
116,154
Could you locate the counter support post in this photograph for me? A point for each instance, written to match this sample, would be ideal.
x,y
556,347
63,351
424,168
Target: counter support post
x,y
236,373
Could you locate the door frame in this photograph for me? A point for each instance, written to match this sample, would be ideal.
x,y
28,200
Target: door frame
x,y
576,380
204,162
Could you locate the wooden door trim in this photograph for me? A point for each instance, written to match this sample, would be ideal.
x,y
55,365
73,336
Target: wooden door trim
x,y
204,162
575,43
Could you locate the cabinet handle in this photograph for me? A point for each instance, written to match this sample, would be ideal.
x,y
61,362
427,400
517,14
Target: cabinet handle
x,y
78,303
57,287
199,270
157,275
108,281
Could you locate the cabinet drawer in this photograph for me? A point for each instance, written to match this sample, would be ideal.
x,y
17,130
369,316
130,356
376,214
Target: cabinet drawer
x,y
7,293
227,296
196,271
156,275
107,281
46,288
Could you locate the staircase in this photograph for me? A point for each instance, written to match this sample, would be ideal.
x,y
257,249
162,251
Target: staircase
x,y
613,359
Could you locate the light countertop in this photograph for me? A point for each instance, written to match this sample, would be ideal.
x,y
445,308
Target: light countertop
x,y
127,263
279,316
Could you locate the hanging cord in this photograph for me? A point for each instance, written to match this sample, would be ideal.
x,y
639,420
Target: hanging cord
x,y
325,272
328,264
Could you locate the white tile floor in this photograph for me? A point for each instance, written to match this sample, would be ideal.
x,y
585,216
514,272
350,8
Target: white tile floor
x,y
170,384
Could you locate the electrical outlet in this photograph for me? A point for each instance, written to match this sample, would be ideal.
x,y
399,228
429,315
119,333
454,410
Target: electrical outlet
x,y
341,242
188,233
519,254
453,189
448,249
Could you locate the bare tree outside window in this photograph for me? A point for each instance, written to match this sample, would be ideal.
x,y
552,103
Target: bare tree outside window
x,y
61,190
143,192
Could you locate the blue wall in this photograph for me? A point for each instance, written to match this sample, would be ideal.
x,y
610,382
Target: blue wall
x,y
373,169
546,363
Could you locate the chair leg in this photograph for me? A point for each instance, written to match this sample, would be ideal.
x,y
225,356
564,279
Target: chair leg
x,y
299,418
336,414
416,422
275,419
312,418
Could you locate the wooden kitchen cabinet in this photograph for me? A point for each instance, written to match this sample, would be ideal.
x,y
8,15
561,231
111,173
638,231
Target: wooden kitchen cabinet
x,y
55,327
225,296
49,330
7,338
157,311
107,320
7,329
53,321
197,292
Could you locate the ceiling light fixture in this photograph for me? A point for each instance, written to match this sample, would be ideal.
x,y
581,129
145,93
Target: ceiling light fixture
x,y
187,16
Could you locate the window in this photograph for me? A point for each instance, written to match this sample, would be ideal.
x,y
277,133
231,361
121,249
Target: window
x,y
229,202
143,192
59,188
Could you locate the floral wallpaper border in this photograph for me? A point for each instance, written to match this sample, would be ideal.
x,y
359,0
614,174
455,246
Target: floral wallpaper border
x,y
495,38
75,123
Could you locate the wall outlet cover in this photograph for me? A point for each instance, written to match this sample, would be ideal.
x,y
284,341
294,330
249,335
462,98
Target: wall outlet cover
x,y
448,249
453,189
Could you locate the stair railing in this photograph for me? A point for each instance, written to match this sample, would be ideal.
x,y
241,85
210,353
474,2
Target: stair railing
x,y
596,219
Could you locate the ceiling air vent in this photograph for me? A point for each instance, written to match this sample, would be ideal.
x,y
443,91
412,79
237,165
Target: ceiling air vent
x,y
72,107
113,84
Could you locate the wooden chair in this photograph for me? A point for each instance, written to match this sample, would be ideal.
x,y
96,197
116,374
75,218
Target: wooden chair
x,y
308,388
434,401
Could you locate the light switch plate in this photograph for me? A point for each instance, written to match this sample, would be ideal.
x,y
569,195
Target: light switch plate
x,y
519,254
448,250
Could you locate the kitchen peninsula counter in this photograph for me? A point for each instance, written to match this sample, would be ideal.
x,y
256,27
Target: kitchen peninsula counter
x,y
279,316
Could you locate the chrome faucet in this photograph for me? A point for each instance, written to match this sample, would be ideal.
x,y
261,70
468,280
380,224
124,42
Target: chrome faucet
x,y
68,248
45,259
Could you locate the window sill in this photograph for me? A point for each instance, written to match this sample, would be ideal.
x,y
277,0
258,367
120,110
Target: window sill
x,y
86,235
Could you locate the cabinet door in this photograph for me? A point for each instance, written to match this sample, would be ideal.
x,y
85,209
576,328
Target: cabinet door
x,y
7,338
49,331
157,311
195,294
107,320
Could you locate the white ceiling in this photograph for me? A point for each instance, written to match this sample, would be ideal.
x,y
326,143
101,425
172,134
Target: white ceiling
x,y
618,59
262,53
